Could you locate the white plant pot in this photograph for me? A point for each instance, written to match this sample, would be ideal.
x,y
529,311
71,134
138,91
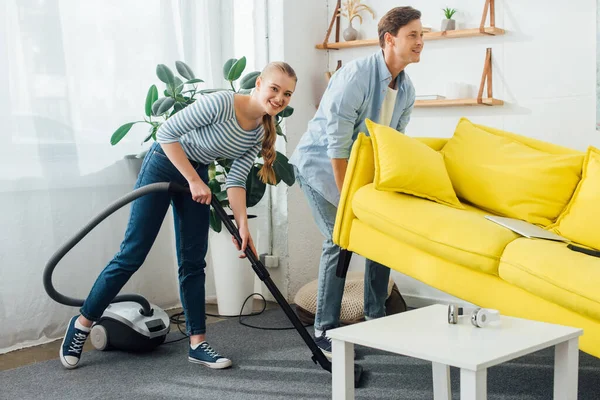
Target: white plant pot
x,y
234,276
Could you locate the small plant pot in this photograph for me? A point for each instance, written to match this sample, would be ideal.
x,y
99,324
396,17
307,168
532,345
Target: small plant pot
x,y
448,24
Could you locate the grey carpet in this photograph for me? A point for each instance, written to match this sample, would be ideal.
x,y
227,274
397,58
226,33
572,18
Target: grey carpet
x,y
269,365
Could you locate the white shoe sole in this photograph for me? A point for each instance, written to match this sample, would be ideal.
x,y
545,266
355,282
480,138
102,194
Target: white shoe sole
x,y
220,365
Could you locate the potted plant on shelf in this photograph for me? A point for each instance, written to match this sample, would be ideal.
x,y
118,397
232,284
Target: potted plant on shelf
x,y
448,24
351,10
234,279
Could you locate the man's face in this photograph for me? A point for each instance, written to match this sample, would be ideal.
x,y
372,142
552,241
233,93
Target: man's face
x,y
407,45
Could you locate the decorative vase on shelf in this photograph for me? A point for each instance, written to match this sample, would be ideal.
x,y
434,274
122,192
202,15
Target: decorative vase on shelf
x,y
448,24
350,33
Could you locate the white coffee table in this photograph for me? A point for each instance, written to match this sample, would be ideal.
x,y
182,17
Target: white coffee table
x,y
424,333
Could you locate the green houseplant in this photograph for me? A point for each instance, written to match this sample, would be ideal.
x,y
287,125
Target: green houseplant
x,y
448,24
182,91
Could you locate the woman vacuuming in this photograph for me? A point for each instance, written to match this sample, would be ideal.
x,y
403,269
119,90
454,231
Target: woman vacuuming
x,y
222,124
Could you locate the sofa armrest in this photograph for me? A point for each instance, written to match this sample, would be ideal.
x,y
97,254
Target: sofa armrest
x,y
360,172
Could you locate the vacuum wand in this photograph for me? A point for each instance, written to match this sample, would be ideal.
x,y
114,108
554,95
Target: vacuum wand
x,y
263,274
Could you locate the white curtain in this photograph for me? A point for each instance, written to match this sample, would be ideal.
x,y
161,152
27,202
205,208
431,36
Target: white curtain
x,y
71,72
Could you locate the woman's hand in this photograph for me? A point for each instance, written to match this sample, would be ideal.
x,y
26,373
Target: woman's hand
x,y
200,192
246,241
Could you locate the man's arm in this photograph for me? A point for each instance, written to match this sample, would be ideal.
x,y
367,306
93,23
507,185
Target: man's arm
x,y
342,101
405,117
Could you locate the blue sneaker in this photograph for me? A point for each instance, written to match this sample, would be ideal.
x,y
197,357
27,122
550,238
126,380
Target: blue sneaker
x,y
205,355
324,343
72,345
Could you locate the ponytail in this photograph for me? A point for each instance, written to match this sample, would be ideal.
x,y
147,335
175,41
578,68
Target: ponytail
x,y
267,173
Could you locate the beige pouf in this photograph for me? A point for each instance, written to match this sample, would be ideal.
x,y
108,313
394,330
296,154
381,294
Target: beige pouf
x,y
353,300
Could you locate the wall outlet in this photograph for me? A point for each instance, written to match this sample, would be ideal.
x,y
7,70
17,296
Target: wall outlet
x,y
269,261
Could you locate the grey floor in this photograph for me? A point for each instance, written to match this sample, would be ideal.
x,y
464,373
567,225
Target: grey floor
x,y
269,365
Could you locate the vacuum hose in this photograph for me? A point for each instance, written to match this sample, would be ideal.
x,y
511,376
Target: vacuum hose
x,y
64,249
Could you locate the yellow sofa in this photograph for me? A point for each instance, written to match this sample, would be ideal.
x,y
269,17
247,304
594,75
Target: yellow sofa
x,y
457,250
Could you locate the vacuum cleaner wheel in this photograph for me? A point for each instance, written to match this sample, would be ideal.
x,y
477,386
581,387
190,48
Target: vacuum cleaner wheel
x,y
99,337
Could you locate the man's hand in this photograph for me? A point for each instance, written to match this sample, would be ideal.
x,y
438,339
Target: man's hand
x,y
339,171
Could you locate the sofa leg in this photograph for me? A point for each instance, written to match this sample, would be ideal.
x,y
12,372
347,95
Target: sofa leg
x,y
343,263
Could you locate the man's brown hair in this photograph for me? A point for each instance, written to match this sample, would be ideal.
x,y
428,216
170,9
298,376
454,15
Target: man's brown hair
x,y
395,19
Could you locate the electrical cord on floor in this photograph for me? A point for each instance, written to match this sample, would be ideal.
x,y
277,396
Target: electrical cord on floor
x,y
179,319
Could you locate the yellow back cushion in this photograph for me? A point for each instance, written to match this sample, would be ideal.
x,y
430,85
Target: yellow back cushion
x,y
498,172
581,219
407,165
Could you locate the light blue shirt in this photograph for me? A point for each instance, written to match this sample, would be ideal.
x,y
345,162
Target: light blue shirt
x,y
355,92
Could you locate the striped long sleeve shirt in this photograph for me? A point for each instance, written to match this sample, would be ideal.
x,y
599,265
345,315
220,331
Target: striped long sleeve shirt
x,y
208,129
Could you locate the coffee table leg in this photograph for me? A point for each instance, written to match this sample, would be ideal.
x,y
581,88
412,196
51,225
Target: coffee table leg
x,y
473,384
342,370
566,368
441,382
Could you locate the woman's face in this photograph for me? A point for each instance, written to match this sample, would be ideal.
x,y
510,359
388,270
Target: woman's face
x,y
274,91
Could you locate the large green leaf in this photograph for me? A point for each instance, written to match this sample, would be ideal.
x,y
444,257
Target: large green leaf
x,y
249,80
255,188
225,163
178,85
165,74
151,97
176,108
215,222
236,69
191,81
284,170
162,105
287,112
280,132
184,70
222,197
227,67
214,186
121,132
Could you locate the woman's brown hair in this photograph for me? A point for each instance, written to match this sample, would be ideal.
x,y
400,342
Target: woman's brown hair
x,y
267,173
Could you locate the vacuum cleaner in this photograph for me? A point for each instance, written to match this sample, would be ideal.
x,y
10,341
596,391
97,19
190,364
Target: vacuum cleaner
x,y
131,323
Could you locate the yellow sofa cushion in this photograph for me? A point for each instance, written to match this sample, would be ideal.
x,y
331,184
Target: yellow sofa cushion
x,y
497,172
581,219
404,164
461,236
551,271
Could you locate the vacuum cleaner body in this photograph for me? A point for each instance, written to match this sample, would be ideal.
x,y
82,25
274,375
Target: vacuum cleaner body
x,y
123,327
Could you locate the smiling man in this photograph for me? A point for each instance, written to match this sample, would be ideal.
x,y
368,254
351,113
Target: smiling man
x,y
374,87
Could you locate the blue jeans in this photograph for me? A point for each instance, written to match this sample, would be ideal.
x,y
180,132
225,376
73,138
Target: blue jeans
x,y
147,214
330,287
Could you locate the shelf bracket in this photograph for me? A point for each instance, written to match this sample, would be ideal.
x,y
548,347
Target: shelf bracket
x,y
328,74
486,76
334,19
489,5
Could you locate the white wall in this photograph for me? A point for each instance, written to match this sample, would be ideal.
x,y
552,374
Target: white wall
x,y
544,68
295,28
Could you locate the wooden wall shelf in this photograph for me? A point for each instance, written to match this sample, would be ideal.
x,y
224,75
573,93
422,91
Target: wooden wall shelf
x,y
462,33
458,102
